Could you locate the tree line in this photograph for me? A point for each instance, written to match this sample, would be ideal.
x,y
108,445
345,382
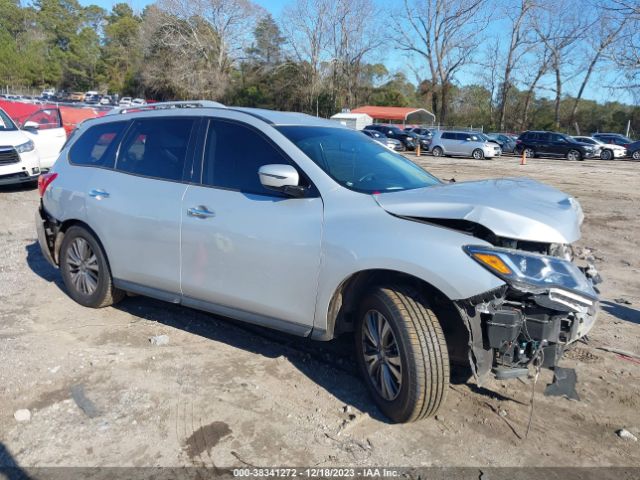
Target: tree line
x,y
507,65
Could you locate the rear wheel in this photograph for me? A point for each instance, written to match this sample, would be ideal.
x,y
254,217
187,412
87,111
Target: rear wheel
x,y
574,155
85,270
478,154
606,154
402,353
437,152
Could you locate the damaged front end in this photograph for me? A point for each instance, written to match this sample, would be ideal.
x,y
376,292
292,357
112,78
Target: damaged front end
x,y
546,304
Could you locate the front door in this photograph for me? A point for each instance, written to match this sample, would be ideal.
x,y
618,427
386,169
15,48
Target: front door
x,y
45,128
249,252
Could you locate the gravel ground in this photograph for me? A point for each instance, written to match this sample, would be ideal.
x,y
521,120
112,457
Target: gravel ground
x,y
225,394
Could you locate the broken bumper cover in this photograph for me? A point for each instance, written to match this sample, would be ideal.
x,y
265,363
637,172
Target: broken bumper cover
x,y
526,322
45,236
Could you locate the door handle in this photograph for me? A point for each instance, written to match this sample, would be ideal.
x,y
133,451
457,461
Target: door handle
x,y
200,212
98,193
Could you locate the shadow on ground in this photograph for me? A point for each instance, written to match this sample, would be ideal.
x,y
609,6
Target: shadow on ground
x,y
325,363
622,312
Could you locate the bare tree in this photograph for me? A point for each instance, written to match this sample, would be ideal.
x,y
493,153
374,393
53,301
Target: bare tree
x,y
559,26
354,34
542,62
626,52
443,33
204,39
600,39
519,45
307,24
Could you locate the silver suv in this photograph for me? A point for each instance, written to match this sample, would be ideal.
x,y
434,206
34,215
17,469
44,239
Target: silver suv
x,y
467,144
305,226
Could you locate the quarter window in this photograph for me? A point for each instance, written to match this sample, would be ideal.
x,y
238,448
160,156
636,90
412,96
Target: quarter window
x,y
156,147
97,146
234,153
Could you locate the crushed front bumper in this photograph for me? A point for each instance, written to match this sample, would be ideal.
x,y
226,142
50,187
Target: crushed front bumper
x,y
510,330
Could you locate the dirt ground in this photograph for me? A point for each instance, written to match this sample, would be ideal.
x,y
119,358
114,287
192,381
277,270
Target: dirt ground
x,y
226,394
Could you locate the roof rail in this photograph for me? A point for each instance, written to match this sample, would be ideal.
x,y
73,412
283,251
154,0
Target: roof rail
x,y
166,105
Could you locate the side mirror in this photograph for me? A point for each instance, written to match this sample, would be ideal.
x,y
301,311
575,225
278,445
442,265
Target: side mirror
x,y
282,178
30,126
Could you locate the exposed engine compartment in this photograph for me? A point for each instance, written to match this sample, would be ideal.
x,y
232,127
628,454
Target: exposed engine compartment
x,y
520,327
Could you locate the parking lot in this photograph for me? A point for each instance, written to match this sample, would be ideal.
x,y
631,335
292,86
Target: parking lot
x,y
225,394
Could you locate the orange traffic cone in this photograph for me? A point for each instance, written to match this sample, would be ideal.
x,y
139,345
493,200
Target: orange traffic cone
x,y
418,150
523,160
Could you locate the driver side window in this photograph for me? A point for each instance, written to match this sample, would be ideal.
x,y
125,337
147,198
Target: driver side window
x,y
233,155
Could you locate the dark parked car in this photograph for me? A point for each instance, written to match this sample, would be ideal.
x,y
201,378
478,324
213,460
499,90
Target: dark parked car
x,y
553,144
408,139
424,135
614,138
633,150
506,142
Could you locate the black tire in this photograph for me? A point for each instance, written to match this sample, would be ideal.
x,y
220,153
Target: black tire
x,y
478,154
574,155
606,154
95,265
421,349
437,151
636,155
529,152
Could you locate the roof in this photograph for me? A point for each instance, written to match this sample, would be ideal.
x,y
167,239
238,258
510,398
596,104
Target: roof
x,y
350,115
392,113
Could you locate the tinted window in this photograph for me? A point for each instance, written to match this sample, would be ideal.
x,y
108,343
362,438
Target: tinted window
x,y
462,136
156,147
356,162
448,136
233,154
97,146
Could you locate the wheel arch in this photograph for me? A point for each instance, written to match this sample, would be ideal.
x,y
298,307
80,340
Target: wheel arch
x,y
62,230
346,297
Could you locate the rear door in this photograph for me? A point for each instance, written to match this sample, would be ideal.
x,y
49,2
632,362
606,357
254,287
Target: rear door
x,y
135,207
249,252
45,128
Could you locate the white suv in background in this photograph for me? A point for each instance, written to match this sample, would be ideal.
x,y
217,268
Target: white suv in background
x,y
19,160
466,144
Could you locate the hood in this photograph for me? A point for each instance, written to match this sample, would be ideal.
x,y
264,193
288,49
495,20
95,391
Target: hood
x,y
516,208
12,138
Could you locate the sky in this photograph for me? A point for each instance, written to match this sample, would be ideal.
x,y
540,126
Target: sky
x,y
395,61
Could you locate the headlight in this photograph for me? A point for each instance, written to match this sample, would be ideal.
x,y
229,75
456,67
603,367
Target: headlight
x,y
532,272
25,147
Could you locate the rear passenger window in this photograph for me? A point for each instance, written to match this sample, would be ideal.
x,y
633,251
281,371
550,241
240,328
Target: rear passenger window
x,y
234,153
97,146
447,136
156,147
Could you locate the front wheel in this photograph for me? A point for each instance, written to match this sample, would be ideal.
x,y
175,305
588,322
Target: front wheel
x,y
636,155
574,155
478,154
402,353
606,154
437,152
85,270
529,152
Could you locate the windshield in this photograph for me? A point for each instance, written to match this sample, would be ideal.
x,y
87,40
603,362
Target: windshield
x,y
357,162
6,124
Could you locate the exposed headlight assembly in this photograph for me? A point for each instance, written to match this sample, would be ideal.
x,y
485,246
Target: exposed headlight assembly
x,y
537,274
25,147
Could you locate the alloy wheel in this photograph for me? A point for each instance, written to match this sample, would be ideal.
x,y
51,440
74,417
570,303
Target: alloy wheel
x,y
573,155
636,155
83,266
529,153
606,155
381,355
